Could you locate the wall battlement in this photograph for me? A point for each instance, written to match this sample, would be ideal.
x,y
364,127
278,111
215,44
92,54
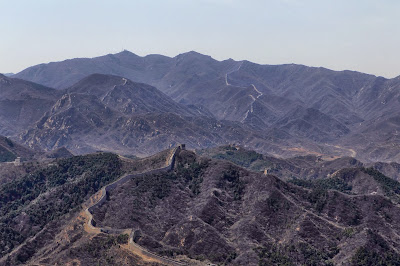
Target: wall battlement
x,y
92,224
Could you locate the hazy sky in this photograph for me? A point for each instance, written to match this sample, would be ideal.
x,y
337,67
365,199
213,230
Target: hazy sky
x,y
362,35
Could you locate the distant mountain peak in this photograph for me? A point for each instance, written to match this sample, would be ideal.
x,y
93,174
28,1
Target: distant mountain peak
x,y
98,79
7,74
99,76
193,54
125,52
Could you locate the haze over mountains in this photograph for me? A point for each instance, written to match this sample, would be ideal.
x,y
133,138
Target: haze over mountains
x,y
314,205
204,210
23,102
282,109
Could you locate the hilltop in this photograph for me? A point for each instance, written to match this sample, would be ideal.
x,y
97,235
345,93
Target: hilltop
x,y
205,210
291,108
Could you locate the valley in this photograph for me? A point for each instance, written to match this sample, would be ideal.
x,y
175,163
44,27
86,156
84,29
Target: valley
x,y
213,211
284,165
277,107
199,133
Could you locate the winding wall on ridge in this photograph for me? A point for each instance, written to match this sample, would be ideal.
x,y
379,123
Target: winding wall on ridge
x,y
106,189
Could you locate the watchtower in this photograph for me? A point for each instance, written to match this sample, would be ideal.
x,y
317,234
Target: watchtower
x,y
17,161
182,146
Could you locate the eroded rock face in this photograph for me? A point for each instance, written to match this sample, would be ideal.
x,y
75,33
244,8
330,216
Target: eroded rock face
x,y
210,210
22,103
315,110
104,112
218,211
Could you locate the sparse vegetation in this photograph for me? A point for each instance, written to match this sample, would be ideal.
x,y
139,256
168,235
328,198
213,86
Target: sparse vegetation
x,y
349,232
159,203
296,254
191,174
240,157
232,178
364,256
6,155
66,184
9,142
376,252
324,184
389,185
98,250
319,198
186,174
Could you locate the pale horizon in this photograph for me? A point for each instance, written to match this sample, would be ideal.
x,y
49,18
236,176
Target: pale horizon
x,y
172,56
342,35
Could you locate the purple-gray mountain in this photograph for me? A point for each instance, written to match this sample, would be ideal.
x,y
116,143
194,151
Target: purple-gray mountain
x,y
223,204
276,109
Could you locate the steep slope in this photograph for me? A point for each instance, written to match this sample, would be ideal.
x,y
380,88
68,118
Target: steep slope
x,y
221,212
40,199
389,169
311,124
314,106
126,96
377,139
104,112
347,96
299,167
83,124
151,69
73,117
344,95
10,150
42,223
204,209
22,103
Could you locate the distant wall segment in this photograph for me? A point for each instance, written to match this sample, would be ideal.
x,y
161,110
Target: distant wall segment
x,y
170,165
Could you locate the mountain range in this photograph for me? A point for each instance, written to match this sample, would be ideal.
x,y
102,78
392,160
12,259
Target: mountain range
x,y
285,164
205,210
284,110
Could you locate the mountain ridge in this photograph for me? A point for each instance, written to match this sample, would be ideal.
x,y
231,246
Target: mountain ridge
x,y
202,210
351,109
192,52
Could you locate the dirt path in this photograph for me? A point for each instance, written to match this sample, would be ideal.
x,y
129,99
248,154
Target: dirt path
x,y
226,75
313,214
259,92
97,199
253,100
353,153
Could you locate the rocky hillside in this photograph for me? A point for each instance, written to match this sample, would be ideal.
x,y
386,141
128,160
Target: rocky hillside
x,y
10,150
309,167
105,112
214,210
41,206
22,103
303,105
83,123
43,197
349,97
204,211
126,96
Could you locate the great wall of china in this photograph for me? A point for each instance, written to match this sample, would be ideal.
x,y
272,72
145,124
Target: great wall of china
x,y
91,224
